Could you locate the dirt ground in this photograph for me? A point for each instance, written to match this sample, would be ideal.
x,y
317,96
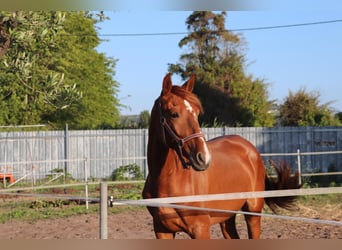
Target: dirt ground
x,y
137,224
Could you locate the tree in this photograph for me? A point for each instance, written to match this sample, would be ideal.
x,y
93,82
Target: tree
x,y
144,119
5,38
338,116
27,87
303,108
52,73
76,56
229,96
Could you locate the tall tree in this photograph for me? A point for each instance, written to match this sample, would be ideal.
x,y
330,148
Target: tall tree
x,y
27,86
303,108
76,56
52,73
229,96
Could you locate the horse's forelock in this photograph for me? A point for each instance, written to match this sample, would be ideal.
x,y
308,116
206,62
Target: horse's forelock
x,y
189,96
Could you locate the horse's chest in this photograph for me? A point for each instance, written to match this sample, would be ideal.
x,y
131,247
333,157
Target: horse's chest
x,y
186,183
176,220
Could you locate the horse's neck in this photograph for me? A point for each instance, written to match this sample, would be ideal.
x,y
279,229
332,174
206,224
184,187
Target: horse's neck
x,y
164,176
156,154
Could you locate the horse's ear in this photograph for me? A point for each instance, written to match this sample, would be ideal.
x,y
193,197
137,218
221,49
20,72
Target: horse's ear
x,y
189,84
167,84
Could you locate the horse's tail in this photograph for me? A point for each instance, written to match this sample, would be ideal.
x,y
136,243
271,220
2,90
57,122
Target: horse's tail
x,y
284,180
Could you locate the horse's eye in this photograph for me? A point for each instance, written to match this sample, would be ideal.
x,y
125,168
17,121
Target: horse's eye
x,y
174,115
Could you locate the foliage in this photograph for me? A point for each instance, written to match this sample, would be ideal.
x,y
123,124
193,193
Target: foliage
x,y
319,201
144,119
127,172
41,209
16,208
134,121
51,72
56,171
325,180
215,56
303,108
28,87
77,57
338,116
127,191
45,204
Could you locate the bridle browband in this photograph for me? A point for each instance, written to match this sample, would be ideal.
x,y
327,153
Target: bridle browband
x,y
179,141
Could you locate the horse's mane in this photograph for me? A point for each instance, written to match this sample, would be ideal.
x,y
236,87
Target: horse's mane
x,y
187,95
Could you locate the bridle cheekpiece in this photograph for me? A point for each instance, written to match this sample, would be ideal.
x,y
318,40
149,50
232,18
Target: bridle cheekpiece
x,y
179,141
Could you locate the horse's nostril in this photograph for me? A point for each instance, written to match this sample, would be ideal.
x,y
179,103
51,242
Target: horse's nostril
x,y
200,159
201,163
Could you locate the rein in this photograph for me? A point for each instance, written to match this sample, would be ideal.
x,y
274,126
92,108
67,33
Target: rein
x,y
179,141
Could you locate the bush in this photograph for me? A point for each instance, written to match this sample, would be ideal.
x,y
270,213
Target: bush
x,y
127,172
326,181
53,172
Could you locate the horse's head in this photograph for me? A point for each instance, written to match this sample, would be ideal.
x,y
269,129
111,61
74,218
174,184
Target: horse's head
x,y
178,110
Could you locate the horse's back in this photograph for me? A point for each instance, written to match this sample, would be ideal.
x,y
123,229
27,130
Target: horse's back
x,y
231,144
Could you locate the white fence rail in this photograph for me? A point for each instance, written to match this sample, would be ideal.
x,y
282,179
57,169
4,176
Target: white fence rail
x,y
173,202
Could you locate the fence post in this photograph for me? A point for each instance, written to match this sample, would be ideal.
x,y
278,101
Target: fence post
x,y
86,183
103,211
299,167
145,139
66,150
224,132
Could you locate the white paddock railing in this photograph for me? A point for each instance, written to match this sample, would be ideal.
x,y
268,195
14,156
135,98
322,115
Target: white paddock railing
x,y
178,202
173,202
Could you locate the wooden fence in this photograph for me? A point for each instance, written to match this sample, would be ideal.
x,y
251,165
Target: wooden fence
x,y
96,153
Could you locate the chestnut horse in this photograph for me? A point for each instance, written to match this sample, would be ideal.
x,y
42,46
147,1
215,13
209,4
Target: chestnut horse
x,y
181,162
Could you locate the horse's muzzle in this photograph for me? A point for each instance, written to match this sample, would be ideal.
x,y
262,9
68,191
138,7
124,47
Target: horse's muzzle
x,y
201,161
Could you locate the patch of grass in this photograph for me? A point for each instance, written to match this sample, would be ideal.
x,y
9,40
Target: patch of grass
x,y
33,209
320,200
41,209
25,211
126,191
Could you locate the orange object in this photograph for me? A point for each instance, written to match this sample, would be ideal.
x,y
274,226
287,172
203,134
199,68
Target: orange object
x,y
182,163
6,176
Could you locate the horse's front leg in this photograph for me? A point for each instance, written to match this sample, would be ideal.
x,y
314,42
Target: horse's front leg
x,y
165,236
200,232
199,227
161,232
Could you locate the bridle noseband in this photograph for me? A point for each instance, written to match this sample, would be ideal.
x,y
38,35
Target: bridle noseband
x,y
179,141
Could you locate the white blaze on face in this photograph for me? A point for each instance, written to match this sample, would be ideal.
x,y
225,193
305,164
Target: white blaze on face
x,y
206,150
189,108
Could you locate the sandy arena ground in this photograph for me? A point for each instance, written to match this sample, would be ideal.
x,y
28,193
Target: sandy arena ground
x,y
138,225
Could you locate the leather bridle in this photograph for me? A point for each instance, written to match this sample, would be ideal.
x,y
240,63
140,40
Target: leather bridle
x,y
179,141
